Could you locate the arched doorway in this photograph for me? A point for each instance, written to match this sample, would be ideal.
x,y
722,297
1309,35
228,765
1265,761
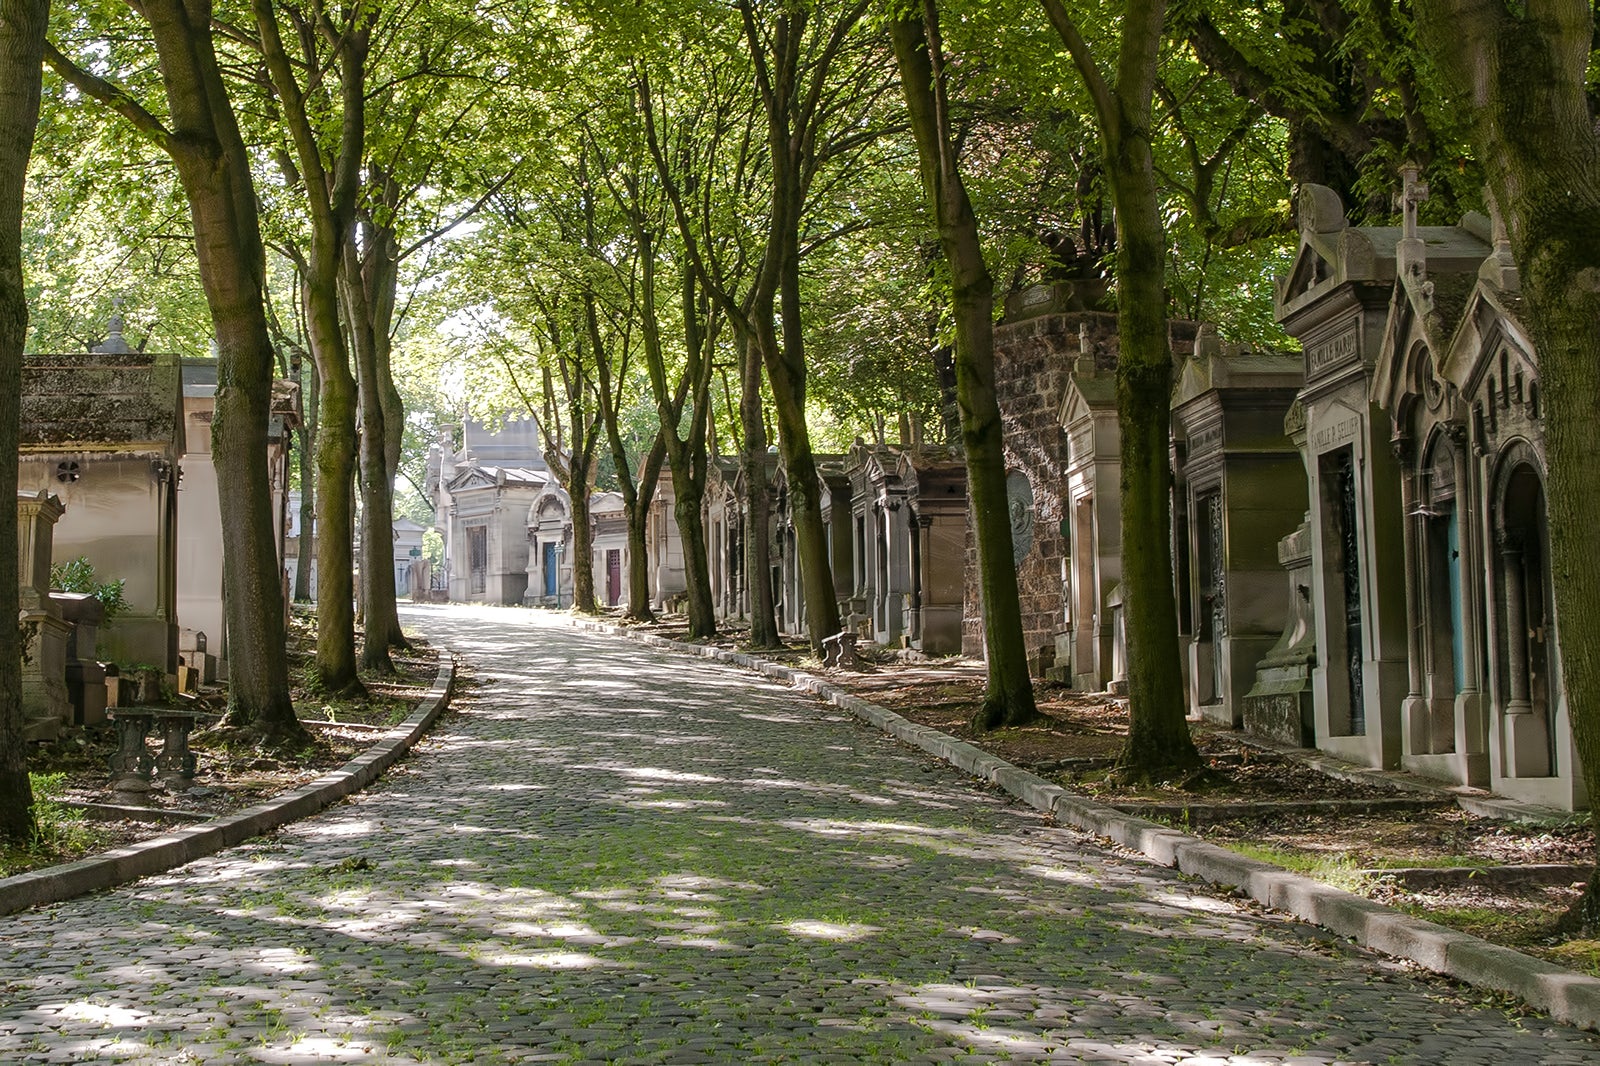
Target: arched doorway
x,y
1524,698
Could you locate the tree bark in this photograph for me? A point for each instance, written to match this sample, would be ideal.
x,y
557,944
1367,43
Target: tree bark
x,y
685,454
1159,744
307,436
381,617
1008,699
1520,70
757,500
22,28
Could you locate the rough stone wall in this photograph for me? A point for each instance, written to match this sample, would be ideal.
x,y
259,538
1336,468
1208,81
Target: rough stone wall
x,y
1033,362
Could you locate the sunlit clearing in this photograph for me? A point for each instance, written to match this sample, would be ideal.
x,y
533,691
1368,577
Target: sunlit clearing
x,y
1195,903
704,943
673,805
549,960
516,788
314,1049
339,829
656,773
283,960
1061,873
830,930
84,1011
554,929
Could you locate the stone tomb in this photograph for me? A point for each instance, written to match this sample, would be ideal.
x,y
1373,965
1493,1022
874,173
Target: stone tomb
x,y
1335,299
881,538
1239,487
935,481
1087,643
103,431
1484,703
724,521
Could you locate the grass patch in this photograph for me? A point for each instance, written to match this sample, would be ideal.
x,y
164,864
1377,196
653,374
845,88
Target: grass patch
x,y
60,833
1339,869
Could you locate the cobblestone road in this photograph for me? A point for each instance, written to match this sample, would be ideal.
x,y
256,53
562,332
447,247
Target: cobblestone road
x,y
614,854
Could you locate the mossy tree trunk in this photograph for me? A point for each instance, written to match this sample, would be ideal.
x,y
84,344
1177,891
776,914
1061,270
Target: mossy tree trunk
x,y
381,616
685,451
1159,744
22,28
1519,71
1008,699
330,192
793,58
757,498
201,134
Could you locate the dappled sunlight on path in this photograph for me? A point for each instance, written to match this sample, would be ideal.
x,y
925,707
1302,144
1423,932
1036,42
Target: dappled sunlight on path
x,y
615,854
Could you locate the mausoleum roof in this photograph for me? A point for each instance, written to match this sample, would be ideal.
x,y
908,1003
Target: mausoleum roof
x,y
118,402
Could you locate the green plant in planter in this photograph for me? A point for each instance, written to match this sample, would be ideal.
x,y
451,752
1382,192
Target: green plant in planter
x,y
77,575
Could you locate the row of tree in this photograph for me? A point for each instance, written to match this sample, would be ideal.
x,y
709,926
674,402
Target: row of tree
x,y
750,218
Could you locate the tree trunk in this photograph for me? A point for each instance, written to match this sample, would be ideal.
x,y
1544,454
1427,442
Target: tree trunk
x,y
382,618
1008,699
22,28
1159,744
786,373
214,170
336,464
1521,74
757,500
582,546
307,435
377,274
330,188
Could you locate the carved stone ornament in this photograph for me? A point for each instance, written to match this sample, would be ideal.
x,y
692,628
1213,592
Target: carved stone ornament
x,y
1019,504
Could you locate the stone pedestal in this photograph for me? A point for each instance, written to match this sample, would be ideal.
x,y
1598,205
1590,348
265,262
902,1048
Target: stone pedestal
x,y
1279,706
85,677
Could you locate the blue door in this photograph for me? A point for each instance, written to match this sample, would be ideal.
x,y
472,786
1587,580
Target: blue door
x,y
550,568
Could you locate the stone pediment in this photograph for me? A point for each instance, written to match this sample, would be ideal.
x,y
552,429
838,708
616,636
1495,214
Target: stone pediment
x,y
1489,324
473,477
1332,252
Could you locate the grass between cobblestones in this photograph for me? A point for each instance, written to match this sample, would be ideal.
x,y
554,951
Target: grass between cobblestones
x,y
1081,733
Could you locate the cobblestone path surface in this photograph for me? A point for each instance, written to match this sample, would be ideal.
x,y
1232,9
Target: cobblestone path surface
x,y
615,854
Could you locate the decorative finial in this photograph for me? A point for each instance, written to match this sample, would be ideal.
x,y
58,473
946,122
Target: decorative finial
x,y
115,343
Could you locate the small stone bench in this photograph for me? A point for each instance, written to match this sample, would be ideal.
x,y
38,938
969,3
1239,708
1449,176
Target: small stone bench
x,y
132,767
840,650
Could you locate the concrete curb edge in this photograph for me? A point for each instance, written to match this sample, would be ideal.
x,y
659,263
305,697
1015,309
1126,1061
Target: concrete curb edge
x,y
158,854
1566,996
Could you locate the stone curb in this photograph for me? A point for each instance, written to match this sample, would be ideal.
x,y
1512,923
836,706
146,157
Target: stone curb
x,y
1566,996
57,883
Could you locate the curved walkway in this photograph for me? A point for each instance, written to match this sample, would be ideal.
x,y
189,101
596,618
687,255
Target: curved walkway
x,y
616,854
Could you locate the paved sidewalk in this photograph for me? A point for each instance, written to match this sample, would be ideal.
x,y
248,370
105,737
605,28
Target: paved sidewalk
x,y
617,854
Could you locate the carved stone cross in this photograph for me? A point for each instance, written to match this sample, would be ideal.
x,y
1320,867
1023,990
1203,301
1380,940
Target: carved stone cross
x,y
1414,192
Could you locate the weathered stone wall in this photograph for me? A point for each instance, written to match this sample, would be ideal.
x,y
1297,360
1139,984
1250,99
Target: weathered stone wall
x,y
1034,357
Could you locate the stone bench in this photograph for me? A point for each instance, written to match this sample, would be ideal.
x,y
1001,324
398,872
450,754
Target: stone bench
x,y
840,650
132,767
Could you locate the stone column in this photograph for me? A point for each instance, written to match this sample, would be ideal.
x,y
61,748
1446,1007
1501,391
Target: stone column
x,y
1527,751
45,706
